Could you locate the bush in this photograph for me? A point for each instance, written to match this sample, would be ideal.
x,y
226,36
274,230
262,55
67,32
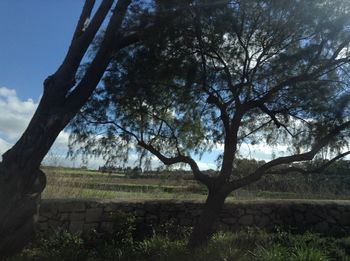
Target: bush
x,y
56,245
169,242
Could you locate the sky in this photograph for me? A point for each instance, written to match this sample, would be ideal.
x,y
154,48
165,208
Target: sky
x,y
35,36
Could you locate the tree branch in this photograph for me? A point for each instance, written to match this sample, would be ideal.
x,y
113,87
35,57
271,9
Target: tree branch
x,y
206,180
288,159
99,64
133,37
317,170
80,43
84,19
271,114
328,66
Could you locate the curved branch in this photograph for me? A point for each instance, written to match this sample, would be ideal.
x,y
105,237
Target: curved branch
x,y
82,39
83,19
100,63
288,159
206,180
317,170
255,130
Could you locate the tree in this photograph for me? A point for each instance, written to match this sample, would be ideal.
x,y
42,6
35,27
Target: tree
x,y
227,73
65,92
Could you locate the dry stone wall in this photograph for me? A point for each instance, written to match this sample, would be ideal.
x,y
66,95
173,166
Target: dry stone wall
x,y
330,217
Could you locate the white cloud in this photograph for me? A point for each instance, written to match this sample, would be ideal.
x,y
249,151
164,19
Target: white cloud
x,y
262,151
4,146
61,142
14,118
15,114
205,165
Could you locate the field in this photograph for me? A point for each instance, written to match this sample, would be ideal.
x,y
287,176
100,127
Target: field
x,y
83,183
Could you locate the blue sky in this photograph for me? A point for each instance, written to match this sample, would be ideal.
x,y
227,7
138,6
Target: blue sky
x,y
35,36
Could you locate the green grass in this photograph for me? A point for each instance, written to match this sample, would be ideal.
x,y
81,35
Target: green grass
x,y
82,183
51,192
247,245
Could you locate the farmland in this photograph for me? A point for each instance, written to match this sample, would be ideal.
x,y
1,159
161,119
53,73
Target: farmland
x,y
84,183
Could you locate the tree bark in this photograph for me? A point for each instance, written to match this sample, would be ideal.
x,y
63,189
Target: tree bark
x,y
204,229
21,180
19,207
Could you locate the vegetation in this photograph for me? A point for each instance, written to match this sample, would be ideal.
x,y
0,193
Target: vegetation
x,y
83,183
168,242
225,74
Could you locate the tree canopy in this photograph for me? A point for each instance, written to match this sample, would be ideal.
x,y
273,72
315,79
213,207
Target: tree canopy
x,y
227,73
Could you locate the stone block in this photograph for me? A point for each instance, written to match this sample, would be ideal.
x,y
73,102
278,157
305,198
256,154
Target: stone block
x,y
87,227
151,218
164,217
127,208
139,212
239,212
335,214
299,217
64,216
246,220
266,210
229,221
93,215
108,216
262,221
48,206
42,219
71,206
111,207
95,204
185,222
43,226
54,224
77,216
252,211
311,218
197,212
107,226
344,218
151,208
76,226
321,227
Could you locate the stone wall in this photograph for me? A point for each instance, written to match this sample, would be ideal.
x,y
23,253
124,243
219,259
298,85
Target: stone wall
x,y
331,217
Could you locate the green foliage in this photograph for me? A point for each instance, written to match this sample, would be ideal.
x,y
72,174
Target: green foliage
x,y
161,248
172,230
245,245
56,245
254,71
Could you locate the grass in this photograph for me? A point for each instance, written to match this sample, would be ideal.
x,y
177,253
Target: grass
x,y
82,183
53,191
247,245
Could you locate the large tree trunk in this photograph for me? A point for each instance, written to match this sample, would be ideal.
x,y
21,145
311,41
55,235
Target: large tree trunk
x,y
21,181
204,228
19,206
